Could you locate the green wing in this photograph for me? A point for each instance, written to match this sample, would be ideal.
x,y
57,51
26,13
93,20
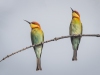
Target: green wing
x,y
37,36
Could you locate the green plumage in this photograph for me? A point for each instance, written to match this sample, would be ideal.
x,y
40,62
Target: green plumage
x,y
75,29
37,36
75,42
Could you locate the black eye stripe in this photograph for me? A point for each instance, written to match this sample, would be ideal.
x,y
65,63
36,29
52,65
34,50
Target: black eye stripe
x,y
33,23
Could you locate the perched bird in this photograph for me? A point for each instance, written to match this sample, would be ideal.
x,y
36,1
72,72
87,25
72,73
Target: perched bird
x,y
75,29
37,37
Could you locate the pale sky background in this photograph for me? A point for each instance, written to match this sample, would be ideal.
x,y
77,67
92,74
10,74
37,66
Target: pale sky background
x,y
54,17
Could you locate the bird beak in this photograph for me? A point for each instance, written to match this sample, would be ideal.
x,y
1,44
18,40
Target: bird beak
x,y
27,21
72,9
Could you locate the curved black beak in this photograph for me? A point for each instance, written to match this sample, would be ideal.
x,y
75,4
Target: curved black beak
x,y
27,21
72,9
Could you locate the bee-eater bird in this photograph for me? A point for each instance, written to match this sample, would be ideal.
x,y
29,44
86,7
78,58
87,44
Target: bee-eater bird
x,y
75,29
37,37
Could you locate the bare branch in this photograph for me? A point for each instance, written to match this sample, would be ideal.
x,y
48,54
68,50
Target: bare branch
x,y
55,39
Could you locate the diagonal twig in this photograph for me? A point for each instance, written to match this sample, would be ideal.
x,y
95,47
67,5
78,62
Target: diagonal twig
x,y
55,39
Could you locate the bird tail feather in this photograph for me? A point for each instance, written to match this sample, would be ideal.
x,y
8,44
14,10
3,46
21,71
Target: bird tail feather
x,y
74,55
38,64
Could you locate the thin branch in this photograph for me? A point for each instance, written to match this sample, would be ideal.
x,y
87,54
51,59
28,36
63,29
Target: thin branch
x,y
55,39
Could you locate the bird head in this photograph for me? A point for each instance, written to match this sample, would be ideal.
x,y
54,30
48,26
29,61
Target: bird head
x,y
33,24
75,13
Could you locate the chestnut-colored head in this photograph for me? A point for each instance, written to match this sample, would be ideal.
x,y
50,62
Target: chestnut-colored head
x,y
33,24
75,13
